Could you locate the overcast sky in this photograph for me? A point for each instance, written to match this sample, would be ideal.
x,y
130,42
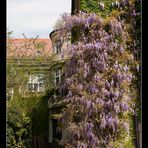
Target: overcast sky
x,y
34,17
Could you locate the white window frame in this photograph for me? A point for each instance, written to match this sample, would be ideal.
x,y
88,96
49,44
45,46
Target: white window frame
x,y
58,46
57,75
50,131
50,136
35,82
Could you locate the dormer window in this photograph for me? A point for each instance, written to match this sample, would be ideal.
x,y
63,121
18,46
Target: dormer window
x,y
57,47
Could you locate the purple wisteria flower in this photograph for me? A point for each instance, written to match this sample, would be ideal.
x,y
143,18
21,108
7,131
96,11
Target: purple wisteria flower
x,y
108,104
80,87
69,94
98,75
99,101
133,13
86,70
96,78
103,123
92,89
124,106
88,104
124,2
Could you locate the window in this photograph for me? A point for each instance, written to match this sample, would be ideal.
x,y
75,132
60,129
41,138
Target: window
x,y
54,133
56,130
57,47
57,76
50,131
36,83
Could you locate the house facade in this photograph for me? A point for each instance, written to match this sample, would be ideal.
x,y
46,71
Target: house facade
x,y
28,64
43,65
55,103
34,68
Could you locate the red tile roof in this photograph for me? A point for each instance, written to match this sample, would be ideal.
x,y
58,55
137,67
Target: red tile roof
x,y
29,48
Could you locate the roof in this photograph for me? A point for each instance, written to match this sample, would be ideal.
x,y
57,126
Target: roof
x,y
53,33
29,48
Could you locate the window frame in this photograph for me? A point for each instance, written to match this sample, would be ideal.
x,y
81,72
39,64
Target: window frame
x,y
58,46
57,76
35,84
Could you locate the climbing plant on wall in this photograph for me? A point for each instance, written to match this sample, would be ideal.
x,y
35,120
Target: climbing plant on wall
x,y
20,107
99,77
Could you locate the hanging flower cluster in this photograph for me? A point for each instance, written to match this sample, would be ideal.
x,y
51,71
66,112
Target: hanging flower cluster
x,y
98,76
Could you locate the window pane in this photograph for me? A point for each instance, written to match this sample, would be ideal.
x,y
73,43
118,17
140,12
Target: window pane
x,y
36,82
58,46
56,133
34,79
57,80
41,78
41,87
50,130
30,87
57,76
57,73
36,86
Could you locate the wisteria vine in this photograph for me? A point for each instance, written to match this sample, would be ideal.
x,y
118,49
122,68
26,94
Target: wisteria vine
x,y
98,76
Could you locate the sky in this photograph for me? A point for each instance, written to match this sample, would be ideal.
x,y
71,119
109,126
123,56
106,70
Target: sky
x,y
34,17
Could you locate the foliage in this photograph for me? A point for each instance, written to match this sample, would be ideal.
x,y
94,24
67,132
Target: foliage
x,y
40,118
129,12
26,117
98,76
20,64
103,7
20,108
19,121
